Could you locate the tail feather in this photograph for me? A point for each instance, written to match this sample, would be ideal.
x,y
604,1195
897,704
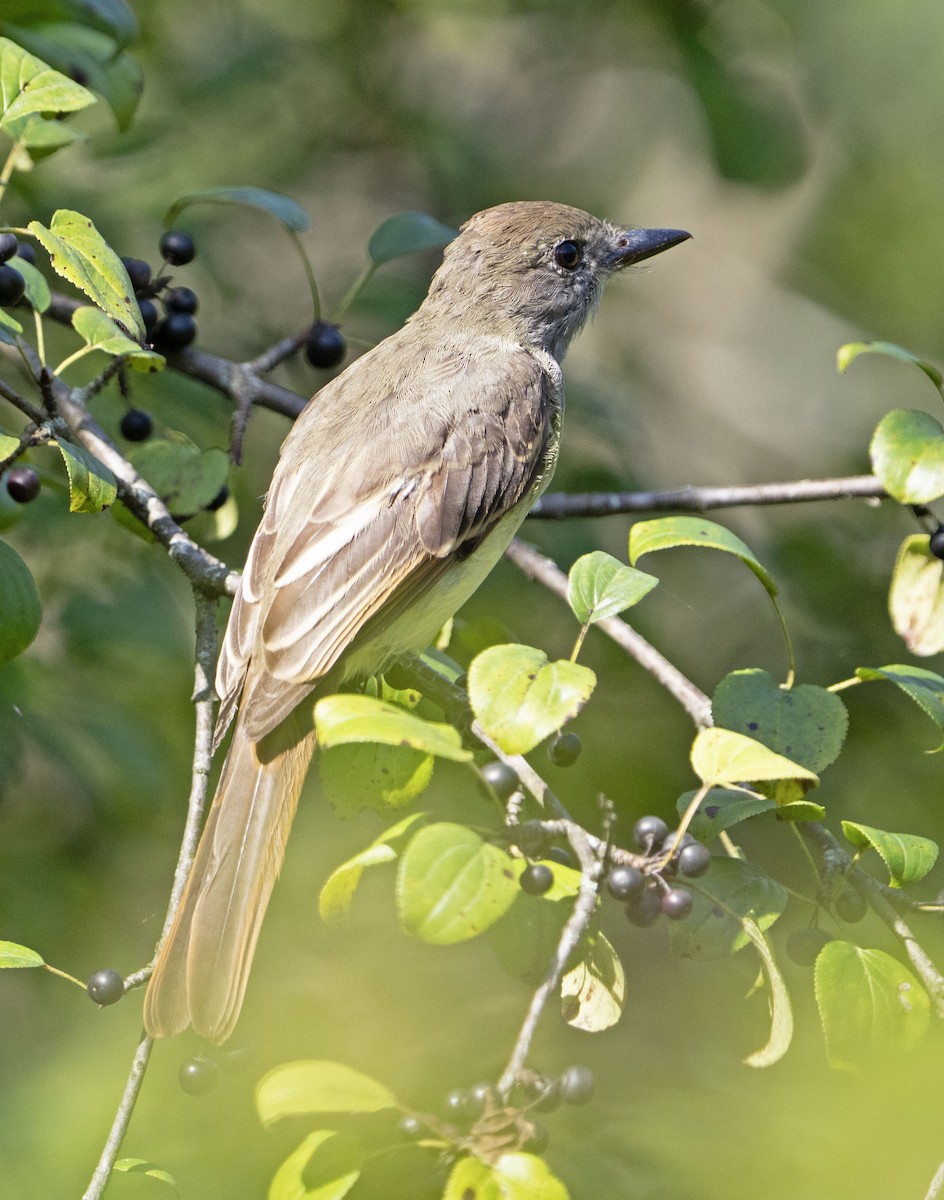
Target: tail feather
x,y
203,967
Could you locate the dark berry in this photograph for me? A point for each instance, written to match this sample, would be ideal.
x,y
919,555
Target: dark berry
x,y
545,1094
536,879
27,253
12,286
565,749
325,345
181,299
537,1139
106,987
804,945
456,1104
177,247
576,1084
672,842
22,484
218,500
644,908
175,332
936,542
694,859
198,1076
649,831
850,905
139,272
136,425
502,779
481,1097
8,246
677,904
623,882
558,854
410,1126
149,314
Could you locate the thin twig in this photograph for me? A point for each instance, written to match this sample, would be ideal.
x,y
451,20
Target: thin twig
x,y
536,566
106,1163
204,698
559,506
591,869
936,1190
36,415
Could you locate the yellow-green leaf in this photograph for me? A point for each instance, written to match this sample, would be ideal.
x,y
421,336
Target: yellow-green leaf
x,y
721,756
907,451
30,87
593,991
348,718
13,955
92,486
908,857
334,903
916,597
324,1167
100,332
520,698
318,1086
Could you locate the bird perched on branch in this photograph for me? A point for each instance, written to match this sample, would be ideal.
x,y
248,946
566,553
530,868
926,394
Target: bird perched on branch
x,y
396,492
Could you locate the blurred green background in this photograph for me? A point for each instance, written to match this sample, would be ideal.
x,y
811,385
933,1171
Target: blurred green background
x,y
800,142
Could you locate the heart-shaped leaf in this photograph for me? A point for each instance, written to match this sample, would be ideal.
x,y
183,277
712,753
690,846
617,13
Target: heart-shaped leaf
x,y
806,724
599,586
907,452
452,884
868,1003
520,698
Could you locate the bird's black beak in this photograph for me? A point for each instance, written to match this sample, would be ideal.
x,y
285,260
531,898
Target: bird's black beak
x,y
634,245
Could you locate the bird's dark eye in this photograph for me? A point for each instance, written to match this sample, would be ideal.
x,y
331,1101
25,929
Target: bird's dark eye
x,y
567,255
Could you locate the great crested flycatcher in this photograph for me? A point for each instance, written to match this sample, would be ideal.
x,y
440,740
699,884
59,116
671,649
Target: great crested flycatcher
x,y
396,492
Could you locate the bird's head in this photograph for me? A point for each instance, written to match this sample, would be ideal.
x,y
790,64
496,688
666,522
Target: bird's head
x,y
535,270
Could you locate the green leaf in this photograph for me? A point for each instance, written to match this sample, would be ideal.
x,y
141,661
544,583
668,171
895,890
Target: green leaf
x,y
41,137
525,939
371,775
79,253
141,1166
287,210
101,333
593,991
721,809
868,1003
20,610
336,896
781,1011
721,756
348,718
733,891
318,1086
806,724
185,477
324,1167
12,955
9,328
924,687
92,486
515,1176
520,698
907,856
599,586
452,884
8,444
37,289
907,451
28,87
665,533
850,352
405,233
916,597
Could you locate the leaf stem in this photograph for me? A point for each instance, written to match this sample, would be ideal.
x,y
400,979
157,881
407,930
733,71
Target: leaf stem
x,y
309,273
9,166
353,292
65,975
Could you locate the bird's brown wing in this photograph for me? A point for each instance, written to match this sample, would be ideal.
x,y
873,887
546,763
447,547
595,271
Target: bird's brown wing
x,y
356,547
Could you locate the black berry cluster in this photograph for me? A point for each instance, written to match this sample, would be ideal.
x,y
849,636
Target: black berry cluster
x,y
12,283
176,328
648,894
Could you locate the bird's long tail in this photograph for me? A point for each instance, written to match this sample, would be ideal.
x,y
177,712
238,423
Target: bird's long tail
x,y
203,967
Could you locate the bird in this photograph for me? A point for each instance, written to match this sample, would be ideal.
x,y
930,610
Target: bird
x,y
396,491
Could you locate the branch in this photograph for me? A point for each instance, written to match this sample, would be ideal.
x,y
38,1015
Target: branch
x,y
106,1163
559,506
536,566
